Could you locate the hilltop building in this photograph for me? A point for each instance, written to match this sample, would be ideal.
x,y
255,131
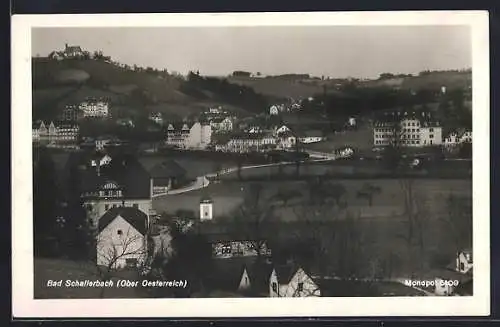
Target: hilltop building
x,y
189,135
95,108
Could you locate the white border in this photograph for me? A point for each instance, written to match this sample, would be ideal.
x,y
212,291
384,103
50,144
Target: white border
x,y
25,306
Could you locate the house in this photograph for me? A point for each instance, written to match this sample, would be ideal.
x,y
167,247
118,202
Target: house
x,y
100,159
156,117
101,142
408,129
273,110
221,124
226,246
94,108
291,281
458,137
121,238
166,175
189,135
464,261
286,140
310,136
245,276
282,129
121,182
126,122
247,142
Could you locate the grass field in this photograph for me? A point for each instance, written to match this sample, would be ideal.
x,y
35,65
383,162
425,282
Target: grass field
x,y
227,196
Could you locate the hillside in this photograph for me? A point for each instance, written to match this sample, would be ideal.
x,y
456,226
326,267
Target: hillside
x,y
430,80
57,83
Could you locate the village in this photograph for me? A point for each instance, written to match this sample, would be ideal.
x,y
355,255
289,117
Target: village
x,y
215,198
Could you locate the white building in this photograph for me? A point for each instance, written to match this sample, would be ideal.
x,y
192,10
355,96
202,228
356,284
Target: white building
x,y
290,281
222,125
248,142
189,135
456,138
206,209
94,108
464,261
55,133
310,136
407,130
121,239
351,121
273,110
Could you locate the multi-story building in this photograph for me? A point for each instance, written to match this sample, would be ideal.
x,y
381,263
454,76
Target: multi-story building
x,y
189,135
119,181
248,142
71,113
55,133
94,108
222,124
408,130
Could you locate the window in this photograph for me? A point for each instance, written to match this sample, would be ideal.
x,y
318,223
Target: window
x,y
206,213
119,232
462,266
106,207
431,136
300,287
431,129
275,287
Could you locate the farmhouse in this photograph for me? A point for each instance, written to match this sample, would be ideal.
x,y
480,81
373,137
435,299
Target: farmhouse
x,y
121,239
292,281
189,135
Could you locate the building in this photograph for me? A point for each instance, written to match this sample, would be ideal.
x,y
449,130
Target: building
x,y
282,129
167,175
189,135
458,137
247,142
291,281
101,142
221,124
286,140
55,134
119,182
157,117
94,108
273,110
226,246
71,113
464,261
121,240
310,136
206,209
73,51
407,130
351,122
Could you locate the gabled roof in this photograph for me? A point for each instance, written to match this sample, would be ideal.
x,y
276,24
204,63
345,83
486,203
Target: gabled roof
x,y
259,273
468,254
226,273
167,169
133,216
124,169
178,126
284,273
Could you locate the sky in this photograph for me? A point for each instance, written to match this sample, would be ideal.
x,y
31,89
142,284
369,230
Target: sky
x,y
334,51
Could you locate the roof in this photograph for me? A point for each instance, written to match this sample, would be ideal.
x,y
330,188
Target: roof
x,y
468,254
133,216
284,273
259,273
124,169
226,273
179,125
167,169
311,133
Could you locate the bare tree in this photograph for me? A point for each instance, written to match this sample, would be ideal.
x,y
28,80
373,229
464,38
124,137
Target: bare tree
x,y
112,252
368,191
254,219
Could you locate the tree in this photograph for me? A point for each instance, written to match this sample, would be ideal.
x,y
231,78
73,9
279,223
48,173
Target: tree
x,y
46,227
459,220
416,214
285,195
254,219
368,191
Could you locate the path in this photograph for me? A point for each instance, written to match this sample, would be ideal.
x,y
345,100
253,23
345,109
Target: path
x,y
204,181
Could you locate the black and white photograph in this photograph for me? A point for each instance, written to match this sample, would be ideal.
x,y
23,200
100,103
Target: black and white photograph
x,y
244,157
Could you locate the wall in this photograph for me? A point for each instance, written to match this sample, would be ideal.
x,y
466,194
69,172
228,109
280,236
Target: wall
x,y
131,242
291,289
245,281
462,259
